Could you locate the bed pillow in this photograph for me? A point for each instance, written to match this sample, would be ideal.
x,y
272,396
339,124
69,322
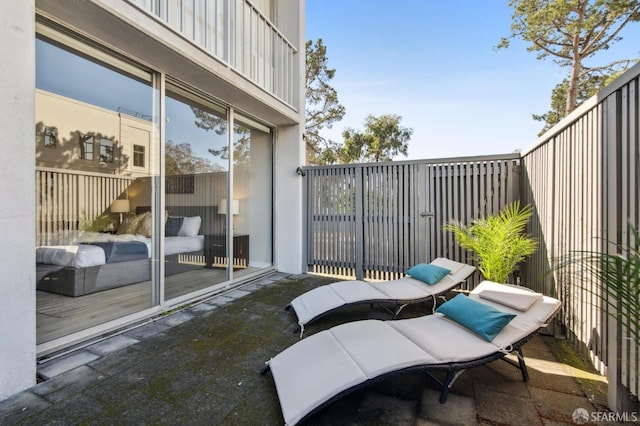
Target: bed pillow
x,y
130,224
145,227
190,227
173,225
430,274
482,319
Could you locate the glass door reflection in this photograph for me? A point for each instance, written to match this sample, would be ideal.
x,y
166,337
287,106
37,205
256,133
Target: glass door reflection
x,y
196,181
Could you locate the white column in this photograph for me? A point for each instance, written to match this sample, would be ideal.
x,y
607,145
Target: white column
x,y
289,233
289,238
17,186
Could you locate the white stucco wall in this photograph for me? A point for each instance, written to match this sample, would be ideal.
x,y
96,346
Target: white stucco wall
x,y
288,221
17,209
289,236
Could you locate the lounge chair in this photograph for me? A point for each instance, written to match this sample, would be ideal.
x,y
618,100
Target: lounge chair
x,y
321,301
322,368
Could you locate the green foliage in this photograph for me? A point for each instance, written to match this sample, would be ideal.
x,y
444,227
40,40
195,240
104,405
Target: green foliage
x,y
322,108
176,309
180,160
571,32
103,223
498,243
590,84
241,140
209,121
241,149
613,278
382,139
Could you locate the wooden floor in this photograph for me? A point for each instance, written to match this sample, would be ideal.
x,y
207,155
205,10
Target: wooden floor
x,y
58,316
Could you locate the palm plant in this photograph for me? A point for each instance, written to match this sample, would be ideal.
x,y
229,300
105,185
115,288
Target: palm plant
x,y
614,278
497,243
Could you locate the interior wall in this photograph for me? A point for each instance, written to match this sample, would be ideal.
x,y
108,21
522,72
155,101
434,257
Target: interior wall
x,y
17,188
260,195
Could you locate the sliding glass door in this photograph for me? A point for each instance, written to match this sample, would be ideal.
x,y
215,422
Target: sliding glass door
x,y
150,193
96,142
196,183
252,195
228,220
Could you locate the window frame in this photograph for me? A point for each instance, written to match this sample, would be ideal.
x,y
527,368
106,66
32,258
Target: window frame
x,y
84,143
50,137
109,157
137,154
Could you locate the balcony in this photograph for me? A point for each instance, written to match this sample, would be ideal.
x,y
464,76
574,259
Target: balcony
x,y
236,33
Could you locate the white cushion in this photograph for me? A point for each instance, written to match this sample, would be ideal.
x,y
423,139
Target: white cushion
x,y
190,226
514,297
443,339
453,266
378,348
310,372
317,368
314,302
356,291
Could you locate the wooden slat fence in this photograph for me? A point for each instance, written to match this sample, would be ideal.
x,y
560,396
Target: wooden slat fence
x,y
374,221
66,198
583,178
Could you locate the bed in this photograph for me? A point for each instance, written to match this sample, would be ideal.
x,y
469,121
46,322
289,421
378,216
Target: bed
x,y
90,262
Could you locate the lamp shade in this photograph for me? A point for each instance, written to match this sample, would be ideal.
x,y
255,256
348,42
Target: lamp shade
x,y
235,206
120,206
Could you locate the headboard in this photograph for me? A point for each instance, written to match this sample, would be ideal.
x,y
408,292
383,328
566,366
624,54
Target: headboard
x,y
212,222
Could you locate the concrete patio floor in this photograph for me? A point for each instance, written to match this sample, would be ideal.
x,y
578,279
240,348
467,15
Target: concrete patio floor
x,y
201,366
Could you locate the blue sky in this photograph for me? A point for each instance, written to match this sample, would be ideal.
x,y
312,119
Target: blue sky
x,y
433,62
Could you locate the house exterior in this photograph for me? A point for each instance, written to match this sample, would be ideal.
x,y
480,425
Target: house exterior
x,y
112,142
145,112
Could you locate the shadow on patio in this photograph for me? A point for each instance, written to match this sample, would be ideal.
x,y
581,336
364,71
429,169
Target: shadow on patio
x,y
202,366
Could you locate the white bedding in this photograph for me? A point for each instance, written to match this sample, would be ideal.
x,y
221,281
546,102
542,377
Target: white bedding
x,y
175,245
78,255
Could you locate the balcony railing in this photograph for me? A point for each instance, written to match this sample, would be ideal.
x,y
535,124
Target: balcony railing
x,y
237,33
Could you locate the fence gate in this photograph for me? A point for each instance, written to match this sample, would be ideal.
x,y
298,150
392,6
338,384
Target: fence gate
x,y
374,221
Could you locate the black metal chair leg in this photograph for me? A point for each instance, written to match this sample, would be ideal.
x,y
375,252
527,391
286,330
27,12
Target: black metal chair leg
x,y
445,386
523,366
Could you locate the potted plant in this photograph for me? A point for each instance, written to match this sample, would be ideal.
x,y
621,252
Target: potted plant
x,y
497,243
102,223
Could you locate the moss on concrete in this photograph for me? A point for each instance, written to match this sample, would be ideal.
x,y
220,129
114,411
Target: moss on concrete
x,y
206,371
593,384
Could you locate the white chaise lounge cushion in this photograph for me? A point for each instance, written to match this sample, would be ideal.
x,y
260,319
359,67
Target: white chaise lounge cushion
x,y
328,297
319,367
315,369
321,300
453,266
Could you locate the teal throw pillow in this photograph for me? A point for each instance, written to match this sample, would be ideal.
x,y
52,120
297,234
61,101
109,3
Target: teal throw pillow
x,y
430,274
478,317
